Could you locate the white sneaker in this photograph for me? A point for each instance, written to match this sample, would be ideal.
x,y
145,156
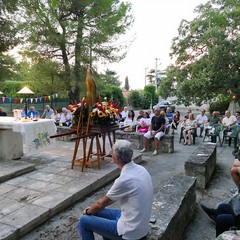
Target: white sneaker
x,y
154,153
143,150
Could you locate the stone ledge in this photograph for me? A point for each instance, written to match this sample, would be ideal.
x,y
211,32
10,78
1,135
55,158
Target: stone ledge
x,y
202,163
173,207
166,143
66,138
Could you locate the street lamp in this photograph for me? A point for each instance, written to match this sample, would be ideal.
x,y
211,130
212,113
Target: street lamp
x,y
1,92
146,75
25,91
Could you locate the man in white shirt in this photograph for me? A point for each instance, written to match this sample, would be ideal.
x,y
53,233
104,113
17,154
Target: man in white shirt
x,y
124,114
202,119
134,191
229,120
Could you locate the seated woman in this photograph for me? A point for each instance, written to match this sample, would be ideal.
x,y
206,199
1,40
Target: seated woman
x,y
144,123
189,126
56,116
176,120
130,122
167,125
65,118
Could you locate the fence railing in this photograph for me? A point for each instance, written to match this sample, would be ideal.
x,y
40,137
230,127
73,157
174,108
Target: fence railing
x,y
40,106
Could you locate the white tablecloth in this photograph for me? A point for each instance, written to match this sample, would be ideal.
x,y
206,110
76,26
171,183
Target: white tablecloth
x,y
35,134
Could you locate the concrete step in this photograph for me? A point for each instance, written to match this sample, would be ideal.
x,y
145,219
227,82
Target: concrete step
x,y
14,168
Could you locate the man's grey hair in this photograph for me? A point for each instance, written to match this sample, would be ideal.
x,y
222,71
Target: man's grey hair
x,y
124,151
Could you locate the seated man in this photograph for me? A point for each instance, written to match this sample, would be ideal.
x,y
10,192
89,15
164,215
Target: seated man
x,y
48,112
202,119
2,113
235,173
156,130
134,191
214,119
124,114
223,216
228,121
32,113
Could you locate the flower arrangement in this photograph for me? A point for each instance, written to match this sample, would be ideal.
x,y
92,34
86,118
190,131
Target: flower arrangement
x,y
104,113
76,109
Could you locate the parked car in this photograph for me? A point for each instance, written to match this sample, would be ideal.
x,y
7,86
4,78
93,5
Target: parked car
x,y
163,105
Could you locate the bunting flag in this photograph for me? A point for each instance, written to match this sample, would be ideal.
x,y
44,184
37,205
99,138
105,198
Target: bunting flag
x,y
20,100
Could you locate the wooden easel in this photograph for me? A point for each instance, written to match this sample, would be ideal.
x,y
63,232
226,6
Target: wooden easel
x,y
93,133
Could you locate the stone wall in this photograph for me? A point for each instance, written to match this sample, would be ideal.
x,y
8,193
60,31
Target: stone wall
x,y
166,143
173,207
202,163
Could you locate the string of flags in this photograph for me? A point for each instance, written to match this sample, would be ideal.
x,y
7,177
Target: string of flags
x,y
34,99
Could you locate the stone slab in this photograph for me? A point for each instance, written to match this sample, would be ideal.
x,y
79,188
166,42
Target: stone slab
x,y
202,163
13,168
173,207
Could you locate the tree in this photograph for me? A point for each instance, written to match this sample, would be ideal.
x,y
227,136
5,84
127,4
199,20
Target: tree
x,y
109,78
8,40
126,86
133,99
79,33
207,55
152,92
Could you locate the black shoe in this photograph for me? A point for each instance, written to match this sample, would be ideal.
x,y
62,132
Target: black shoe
x,y
211,212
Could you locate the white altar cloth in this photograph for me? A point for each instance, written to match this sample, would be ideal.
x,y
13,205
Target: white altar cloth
x,y
33,136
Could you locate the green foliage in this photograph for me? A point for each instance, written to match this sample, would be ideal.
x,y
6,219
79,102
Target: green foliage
x,y
221,105
206,52
133,99
145,100
10,88
151,89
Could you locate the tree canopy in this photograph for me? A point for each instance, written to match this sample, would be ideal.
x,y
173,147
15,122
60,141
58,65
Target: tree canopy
x,y
74,33
207,55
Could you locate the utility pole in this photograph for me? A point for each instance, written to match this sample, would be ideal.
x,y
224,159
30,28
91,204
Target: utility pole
x,y
156,59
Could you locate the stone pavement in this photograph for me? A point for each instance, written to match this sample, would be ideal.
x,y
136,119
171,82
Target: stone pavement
x,y
30,199
35,188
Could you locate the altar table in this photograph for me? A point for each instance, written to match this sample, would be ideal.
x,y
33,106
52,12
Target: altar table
x,y
24,137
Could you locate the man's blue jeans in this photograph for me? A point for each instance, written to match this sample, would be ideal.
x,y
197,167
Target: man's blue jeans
x,y
104,223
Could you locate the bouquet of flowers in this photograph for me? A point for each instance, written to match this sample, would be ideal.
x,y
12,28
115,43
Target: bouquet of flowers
x,y
76,109
104,113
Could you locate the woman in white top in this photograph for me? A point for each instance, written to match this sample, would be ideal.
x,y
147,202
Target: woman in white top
x,y
130,121
56,116
66,117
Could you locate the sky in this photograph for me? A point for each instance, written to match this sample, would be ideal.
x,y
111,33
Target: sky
x,y
156,24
